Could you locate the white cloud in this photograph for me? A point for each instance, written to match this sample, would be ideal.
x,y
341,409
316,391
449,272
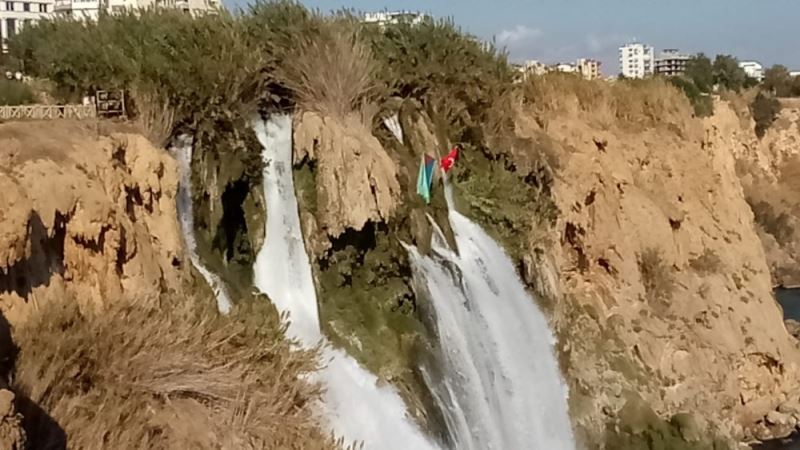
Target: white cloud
x,y
517,35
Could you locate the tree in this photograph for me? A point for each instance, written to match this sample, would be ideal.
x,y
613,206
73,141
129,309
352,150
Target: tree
x,y
765,109
728,74
699,70
778,81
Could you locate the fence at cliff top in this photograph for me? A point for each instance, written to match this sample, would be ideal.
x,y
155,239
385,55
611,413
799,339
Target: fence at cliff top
x,y
48,112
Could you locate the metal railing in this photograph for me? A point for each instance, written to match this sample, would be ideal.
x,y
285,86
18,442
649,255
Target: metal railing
x,y
48,112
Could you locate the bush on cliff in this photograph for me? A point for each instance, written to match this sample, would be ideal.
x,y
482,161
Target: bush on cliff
x,y
455,76
196,67
764,109
13,92
176,375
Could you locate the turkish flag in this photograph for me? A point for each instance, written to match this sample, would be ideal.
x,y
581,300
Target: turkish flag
x,y
447,162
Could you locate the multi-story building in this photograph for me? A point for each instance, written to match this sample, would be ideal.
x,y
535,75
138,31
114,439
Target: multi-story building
x,y
588,68
636,60
671,62
386,18
564,68
78,9
91,9
15,14
752,69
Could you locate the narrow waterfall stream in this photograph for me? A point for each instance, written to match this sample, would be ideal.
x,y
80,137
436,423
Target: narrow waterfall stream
x,y
499,383
181,150
357,408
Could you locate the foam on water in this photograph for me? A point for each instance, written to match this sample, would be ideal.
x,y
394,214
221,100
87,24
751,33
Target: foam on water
x,y
497,381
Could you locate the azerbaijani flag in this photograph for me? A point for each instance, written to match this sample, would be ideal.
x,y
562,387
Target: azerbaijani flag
x,y
425,177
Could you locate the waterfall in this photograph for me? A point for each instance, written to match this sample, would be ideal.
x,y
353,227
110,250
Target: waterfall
x,y
357,407
393,124
181,150
498,382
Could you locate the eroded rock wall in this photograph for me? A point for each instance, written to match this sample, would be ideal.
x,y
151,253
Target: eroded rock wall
x,y
662,285
88,216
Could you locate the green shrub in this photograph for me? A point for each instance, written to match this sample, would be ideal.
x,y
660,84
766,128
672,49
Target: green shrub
x,y
198,67
455,76
13,92
765,110
701,102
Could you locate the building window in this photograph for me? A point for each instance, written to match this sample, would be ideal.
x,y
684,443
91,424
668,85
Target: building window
x,y
26,7
42,7
9,6
11,27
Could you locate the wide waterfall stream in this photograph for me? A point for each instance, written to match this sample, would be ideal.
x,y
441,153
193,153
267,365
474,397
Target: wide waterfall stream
x,y
499,384
181,150
357,407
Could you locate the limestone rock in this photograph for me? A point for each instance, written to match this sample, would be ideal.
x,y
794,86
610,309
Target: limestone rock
x,y
87,215
662,284
12,435
356,178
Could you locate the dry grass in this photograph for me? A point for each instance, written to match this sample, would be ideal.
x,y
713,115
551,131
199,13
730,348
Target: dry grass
x,y
169,377
153,116
634,102
332,71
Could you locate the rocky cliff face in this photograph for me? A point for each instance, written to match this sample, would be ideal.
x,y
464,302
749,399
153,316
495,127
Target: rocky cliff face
x,y
661,285
84,218
769,169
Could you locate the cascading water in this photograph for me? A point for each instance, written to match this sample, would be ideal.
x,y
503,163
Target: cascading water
x,y
499,384
393,124
357,408
181,150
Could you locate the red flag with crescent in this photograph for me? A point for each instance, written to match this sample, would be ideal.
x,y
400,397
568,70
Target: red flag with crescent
x,y
447,162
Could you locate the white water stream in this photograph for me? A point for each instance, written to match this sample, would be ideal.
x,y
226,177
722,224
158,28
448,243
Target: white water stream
x,y
182,152
357,407
499,383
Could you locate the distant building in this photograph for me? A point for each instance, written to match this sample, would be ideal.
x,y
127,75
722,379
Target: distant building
x,y
636,60
671,62
14,15
752,69
534,67
530,68
794,73
564,68
386,18
78,9
588,68
91,9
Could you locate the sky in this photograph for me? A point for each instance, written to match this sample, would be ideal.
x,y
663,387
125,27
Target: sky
x,y
564,30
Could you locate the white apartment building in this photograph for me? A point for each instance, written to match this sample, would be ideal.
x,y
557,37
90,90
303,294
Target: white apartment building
x,y
15,14
394,17
753,69
636,60
91,9
78,9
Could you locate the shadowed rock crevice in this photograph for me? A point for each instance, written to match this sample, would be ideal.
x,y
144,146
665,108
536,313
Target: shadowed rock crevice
x,y
45,258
